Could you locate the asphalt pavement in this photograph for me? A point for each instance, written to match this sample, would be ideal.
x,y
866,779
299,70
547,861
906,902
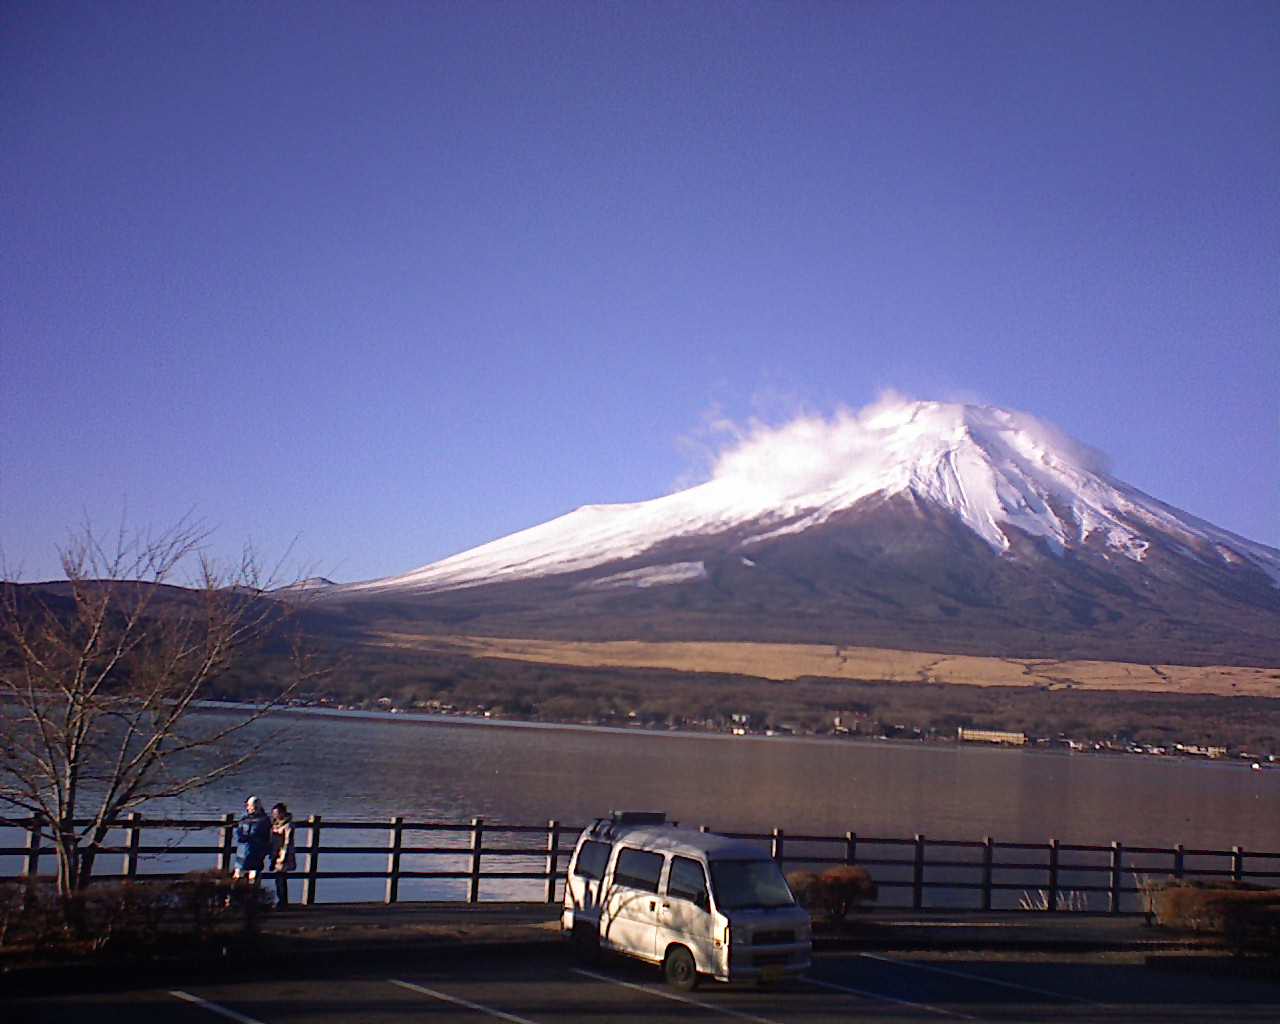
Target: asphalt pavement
x,y
543,985
452,963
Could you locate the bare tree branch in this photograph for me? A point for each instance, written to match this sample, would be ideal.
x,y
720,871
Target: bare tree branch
x,y
100,679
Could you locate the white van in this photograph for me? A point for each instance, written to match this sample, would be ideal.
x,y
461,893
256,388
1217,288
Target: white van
x,y
695,902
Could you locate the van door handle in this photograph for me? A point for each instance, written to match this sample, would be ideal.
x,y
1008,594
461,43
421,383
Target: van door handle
x,y
652,904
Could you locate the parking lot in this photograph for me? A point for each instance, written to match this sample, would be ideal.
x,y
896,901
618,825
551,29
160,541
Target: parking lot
x,y
544,986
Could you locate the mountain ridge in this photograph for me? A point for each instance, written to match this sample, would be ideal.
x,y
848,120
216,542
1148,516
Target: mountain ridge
x,y
997,471
914,526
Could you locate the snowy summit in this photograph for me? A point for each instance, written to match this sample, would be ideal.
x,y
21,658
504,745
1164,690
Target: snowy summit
x,y
1004,475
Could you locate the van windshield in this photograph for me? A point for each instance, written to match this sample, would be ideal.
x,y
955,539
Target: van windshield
x,y
749,884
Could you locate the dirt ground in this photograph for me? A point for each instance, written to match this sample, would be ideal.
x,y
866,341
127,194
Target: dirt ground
x,y
784,662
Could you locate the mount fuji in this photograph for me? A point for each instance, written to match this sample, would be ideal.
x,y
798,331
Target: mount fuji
x,y
914,525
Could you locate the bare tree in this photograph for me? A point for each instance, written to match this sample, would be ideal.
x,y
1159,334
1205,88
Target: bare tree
x,y
99,676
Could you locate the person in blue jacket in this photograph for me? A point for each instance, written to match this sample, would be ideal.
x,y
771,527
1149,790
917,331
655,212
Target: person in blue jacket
x,y
253,840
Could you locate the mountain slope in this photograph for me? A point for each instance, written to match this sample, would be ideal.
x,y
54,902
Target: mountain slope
x,y
915,525
994,470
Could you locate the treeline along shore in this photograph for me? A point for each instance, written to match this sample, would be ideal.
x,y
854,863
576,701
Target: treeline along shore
x,y
458,684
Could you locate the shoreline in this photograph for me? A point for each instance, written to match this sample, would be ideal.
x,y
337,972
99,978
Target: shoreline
x,y
936,746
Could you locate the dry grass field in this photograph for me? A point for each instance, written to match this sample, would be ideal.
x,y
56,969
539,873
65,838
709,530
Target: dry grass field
x,y
783,662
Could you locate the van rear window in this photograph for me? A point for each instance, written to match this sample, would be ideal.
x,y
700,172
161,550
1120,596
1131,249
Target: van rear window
x,y
638,869
592,859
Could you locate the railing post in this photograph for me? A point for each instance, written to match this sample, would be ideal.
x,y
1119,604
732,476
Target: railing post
x,y
135,824
313,861
917,874
477,841
1052,903
553,858
395,843
31,867
1113,894
135,840
227,846
988,864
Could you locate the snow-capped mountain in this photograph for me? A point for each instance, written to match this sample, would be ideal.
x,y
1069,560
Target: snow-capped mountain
x,y
918,525
999,473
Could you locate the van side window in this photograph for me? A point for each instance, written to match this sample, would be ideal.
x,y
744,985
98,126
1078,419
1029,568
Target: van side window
x,y
637,869
592,859
688,881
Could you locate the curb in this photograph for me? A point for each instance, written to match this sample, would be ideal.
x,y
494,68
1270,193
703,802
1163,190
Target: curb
x,y
366,938
269,952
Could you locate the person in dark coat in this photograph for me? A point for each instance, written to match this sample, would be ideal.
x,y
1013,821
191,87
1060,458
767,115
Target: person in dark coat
x,y
253,840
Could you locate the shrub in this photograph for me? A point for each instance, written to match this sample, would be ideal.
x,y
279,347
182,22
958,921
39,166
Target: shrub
x,y
124,915
211,904
1252,927
845,888
1067,899
131,917
805,886
30,914
1203,906
835,892
1247,917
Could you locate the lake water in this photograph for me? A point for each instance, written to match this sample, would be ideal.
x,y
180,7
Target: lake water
x,y
374,767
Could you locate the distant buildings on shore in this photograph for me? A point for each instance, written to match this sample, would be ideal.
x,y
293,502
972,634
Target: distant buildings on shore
x,y
1013,739
852,724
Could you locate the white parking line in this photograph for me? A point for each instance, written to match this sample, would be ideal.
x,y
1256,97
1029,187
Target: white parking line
x,y
978,977
671,995
213,1007
888,999
423,990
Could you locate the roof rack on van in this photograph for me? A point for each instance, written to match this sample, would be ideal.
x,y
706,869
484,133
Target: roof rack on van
x,y
605,826
638,817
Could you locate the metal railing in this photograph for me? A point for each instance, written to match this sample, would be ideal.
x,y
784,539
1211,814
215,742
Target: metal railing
x,y
1050,876
471,851
928,873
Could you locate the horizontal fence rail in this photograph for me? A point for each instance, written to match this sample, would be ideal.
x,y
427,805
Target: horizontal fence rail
x,y
917,872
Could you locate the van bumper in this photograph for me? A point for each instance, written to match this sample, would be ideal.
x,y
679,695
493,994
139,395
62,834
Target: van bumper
x,y
769,963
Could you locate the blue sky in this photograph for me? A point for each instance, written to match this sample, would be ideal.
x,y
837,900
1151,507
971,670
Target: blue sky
x,y
397,279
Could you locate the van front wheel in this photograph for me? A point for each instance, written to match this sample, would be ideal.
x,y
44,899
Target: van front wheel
x,y
680,970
